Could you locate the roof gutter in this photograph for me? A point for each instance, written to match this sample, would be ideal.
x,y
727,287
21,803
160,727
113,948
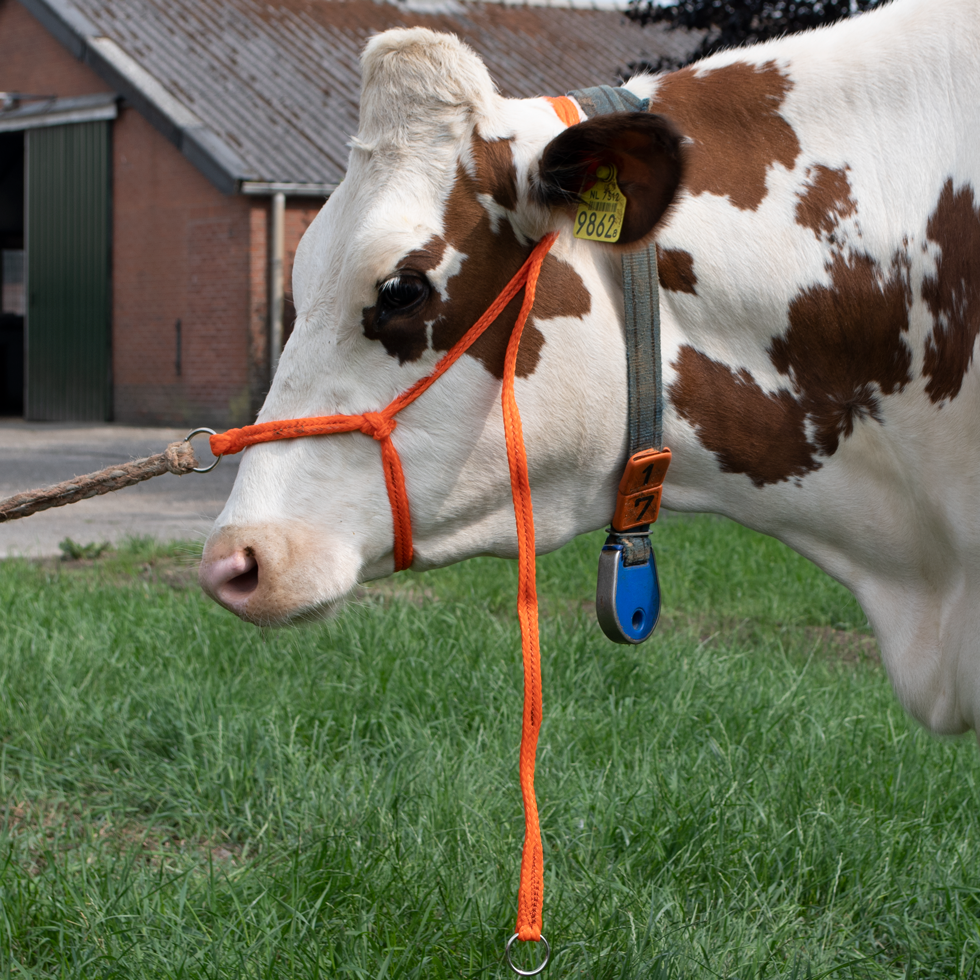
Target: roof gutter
x,y
202,146
264,188
58,112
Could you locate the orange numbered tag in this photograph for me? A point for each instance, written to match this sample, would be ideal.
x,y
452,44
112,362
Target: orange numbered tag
x,y
640,489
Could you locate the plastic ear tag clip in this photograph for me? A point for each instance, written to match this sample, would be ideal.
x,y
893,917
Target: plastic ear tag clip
x,y
603,206
628,590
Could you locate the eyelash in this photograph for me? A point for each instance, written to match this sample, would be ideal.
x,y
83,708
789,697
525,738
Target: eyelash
x,y
388,292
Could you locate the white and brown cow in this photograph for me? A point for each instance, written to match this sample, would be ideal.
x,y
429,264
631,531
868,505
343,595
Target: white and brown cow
x,y
820,271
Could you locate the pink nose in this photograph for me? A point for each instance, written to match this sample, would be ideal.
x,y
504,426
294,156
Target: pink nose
x,y
231,580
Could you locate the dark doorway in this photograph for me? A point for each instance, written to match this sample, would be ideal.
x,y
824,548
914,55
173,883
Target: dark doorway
x,y
12,268
68,291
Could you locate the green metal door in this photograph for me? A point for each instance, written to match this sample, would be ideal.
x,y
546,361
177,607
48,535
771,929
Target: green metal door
x,y
68,266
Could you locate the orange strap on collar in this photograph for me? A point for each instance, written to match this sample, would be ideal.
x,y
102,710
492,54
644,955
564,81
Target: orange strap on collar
x,y
564,109
380,425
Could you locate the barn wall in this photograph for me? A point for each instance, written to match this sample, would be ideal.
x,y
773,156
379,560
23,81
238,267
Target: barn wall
x,y
181,253
185,251
181,250
31,60
300,212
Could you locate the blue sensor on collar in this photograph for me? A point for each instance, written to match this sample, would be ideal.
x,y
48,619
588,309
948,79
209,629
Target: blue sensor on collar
x,y
627,599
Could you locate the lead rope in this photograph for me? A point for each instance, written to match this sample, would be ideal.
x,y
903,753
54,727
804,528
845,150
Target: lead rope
x,y
380,425
178,458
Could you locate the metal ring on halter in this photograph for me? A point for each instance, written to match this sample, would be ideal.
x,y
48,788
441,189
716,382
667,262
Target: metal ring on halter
x,y
537,969
217,459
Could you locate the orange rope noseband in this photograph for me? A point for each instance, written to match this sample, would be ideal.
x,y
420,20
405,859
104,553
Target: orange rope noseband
x,y
380,425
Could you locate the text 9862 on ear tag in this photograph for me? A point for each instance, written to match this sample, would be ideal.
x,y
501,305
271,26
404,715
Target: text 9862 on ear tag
x,y
640,489
602,207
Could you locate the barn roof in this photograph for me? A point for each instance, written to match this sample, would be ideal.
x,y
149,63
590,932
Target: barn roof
x,y
260,92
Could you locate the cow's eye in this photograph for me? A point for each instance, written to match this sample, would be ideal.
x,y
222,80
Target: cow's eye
x,y
403,293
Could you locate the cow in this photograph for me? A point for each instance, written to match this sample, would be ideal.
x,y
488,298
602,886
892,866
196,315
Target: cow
x,y
814,207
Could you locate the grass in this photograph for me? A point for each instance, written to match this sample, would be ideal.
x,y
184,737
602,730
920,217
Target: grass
x,y
185,796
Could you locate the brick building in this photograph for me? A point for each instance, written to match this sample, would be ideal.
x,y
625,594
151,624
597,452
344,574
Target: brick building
x,y
160,159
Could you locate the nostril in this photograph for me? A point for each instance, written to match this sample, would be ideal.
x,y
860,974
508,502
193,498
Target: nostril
x,y
231,580
242,586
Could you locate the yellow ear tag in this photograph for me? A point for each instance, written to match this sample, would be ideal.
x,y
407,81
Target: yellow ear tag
x,y
600,215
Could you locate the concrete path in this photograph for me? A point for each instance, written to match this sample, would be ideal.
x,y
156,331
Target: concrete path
x,y
36,454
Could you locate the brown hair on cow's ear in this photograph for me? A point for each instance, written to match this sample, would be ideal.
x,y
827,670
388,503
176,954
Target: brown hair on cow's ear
x,y
646,152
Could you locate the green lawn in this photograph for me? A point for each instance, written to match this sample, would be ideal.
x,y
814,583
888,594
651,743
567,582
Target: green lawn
x,y
182,795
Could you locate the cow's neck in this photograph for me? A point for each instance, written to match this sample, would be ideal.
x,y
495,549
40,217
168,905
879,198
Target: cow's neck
x,y
869,513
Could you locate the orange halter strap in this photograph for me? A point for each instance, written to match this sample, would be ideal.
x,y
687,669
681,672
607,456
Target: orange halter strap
x,y
380,425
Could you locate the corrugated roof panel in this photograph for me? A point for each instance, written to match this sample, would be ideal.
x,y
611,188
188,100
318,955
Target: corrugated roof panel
x,y
279,80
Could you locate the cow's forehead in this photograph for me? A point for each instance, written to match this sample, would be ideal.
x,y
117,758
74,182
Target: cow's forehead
x,y
396,197
380,212
429,114
456,213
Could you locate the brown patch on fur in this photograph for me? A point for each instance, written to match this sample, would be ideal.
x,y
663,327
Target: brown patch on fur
x,y
492,259
748,430
732,116
428,258
845,345
953,293
825,201
675,270
495,168
560,292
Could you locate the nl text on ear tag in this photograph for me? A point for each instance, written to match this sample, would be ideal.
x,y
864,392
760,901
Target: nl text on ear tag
x,y
600,214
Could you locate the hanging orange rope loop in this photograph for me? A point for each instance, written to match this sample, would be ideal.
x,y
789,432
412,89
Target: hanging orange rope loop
x,y
530,895
380,426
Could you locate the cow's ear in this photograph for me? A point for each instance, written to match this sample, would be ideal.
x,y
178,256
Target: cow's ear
x,y
646,152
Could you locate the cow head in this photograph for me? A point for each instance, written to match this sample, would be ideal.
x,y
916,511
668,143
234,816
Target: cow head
x,y
448,189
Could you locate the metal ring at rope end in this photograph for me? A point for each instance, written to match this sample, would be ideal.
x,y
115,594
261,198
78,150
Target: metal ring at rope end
x,y
537,969
217,459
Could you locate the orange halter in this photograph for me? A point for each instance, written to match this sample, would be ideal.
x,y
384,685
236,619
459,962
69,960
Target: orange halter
x,y
380,425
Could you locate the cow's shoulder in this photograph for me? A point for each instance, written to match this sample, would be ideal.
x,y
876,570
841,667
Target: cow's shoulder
x,y
731,114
